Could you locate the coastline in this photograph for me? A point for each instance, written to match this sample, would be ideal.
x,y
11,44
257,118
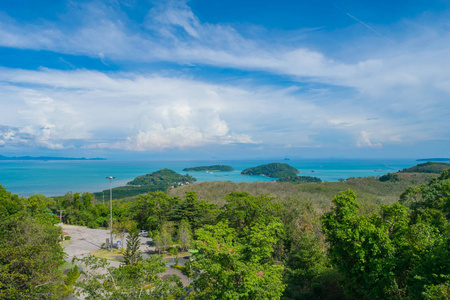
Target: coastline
x,y
56,178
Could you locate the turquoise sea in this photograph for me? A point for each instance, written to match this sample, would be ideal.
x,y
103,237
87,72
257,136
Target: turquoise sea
x,y
54,178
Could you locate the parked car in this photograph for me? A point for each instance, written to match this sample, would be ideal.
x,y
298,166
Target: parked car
x,y
143,233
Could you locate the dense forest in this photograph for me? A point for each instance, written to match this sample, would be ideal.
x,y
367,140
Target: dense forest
x,y
362,238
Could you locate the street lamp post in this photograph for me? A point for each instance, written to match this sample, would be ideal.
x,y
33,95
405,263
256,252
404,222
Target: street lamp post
x,y
110,201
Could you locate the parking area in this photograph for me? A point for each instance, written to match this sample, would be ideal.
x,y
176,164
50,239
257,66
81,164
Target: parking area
x,y
85,240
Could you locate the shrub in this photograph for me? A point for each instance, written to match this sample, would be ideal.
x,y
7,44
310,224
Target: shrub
x,y
92,224
67,238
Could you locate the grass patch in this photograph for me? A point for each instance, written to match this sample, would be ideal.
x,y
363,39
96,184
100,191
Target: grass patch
x,y
106,254
181,254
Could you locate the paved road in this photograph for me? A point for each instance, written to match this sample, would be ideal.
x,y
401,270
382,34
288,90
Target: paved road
x,y
85,240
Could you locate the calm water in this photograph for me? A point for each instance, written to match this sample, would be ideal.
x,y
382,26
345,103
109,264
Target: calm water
x,y
53,178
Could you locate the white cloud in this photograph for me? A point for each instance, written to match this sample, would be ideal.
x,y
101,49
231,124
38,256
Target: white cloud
x,y
365,141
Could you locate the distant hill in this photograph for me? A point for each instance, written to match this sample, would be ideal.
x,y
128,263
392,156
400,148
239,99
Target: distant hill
x,y
300,179
210,168
433,159
47,158
162,177
428,167
272,170
160,180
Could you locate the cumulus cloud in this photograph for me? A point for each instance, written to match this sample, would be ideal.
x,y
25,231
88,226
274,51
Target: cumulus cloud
x,y
365,141
135,112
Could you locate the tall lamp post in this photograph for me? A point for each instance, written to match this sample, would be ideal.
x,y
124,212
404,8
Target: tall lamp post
x,y
110,201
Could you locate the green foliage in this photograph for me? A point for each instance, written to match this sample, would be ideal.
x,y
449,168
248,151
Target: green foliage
x,y
300,179
243,210
228,267
152,210
132,255
398,253
308,273
437,292
184,235
30,254
210,168
197,213
428,167
434,195
361,247
162,240
140,281
389,177
130,191
273,170
72,276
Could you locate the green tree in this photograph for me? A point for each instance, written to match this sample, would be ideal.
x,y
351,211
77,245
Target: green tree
x,y
197,212
30,254
361,247
184,235
152,210
132,255
243,210
231,268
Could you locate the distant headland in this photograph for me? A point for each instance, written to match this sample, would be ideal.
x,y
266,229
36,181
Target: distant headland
x,y
47,158
434,159
210,168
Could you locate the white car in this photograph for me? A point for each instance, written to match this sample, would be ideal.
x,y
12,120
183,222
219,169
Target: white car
x,y
143,233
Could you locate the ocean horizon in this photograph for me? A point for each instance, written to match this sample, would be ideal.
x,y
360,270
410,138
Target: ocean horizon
x,y
56,178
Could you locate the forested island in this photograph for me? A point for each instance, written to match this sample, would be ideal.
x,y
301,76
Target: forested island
x,y
362,238
160,180
210,168
272,170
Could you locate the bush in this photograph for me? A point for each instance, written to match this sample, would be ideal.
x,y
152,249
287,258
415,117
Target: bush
x,y
67,238
389,177
92,224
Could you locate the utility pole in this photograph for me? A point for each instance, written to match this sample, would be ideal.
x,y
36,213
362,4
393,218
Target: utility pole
x,y
60,215
110,178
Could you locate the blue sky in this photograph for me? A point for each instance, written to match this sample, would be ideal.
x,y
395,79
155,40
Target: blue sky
x,y
225,79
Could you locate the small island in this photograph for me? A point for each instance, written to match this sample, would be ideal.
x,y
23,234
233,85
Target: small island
x,y
162,177
272,170
161,180
210,168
